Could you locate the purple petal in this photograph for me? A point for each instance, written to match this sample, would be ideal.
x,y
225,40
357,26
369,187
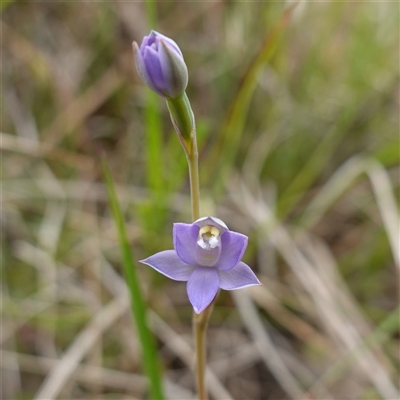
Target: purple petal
x,y
153,68
185,241
140,66
233,247
202,287
169,264
147,40
237,278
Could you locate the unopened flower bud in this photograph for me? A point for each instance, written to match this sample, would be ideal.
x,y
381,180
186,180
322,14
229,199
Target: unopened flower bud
x,y
161,66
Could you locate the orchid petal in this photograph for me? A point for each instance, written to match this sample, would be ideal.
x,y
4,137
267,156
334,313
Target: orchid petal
x,y
202,287
185,241
169,264
238,277
140,65
152,62
147,41
233,247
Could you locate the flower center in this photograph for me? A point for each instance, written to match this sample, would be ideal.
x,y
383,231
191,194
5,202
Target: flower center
x,y
209,246
208,237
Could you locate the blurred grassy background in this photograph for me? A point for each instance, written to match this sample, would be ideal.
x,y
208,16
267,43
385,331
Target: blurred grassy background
x,y
298,121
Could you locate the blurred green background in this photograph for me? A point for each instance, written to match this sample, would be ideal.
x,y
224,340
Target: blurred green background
x,y
297,109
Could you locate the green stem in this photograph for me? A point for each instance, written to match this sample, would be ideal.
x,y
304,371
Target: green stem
x,y
183,120
200,322
193,163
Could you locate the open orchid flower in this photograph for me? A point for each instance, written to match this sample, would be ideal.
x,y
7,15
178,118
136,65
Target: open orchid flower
x,y
207,255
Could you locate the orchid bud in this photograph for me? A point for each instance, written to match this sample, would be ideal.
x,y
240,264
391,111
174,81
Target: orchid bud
x,y
160,65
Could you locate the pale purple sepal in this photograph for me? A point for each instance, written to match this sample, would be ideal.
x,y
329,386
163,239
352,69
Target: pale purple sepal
x,y
169,264
202,287
238,277
153,67
140,65
233,246
185,241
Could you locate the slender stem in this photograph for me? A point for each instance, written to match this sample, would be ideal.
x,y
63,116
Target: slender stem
x,y
183,120
200,322
200,344
194,180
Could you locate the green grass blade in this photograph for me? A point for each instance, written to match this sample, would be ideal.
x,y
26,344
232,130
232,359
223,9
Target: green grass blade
x,y
235,119
151,363
151,13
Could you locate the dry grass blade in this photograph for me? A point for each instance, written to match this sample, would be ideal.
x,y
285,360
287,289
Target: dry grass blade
x,y
81,108
342,179
336,322
82,343
88,374
184,351
41,149
332,190
82,373
267,350
299,327
387,205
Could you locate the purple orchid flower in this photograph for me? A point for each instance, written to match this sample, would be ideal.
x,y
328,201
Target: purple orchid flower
x,y
207,255
160,65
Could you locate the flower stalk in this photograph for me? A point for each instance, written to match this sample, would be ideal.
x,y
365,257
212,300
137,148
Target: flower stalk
x,y
193,163
200,322
183,120
184,124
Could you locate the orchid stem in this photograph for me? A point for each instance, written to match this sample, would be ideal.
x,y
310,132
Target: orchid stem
x,y
183,120
194,180
200,322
